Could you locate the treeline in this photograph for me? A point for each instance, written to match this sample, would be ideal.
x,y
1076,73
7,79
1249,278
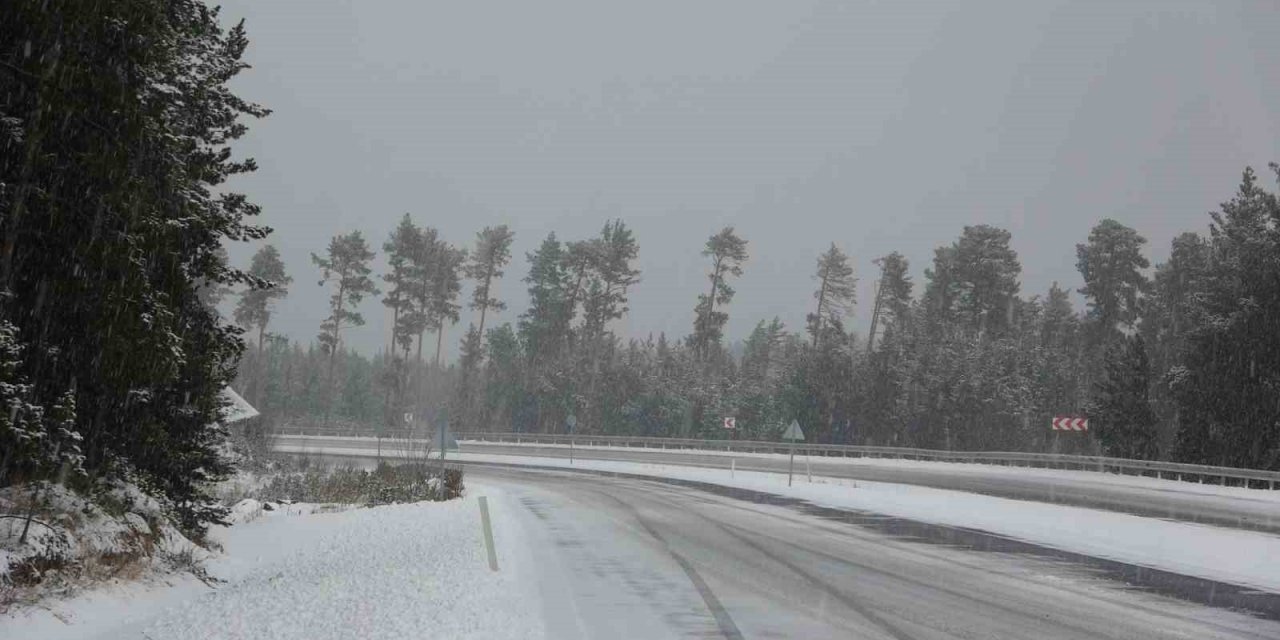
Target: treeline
x,y
1182,364
115,131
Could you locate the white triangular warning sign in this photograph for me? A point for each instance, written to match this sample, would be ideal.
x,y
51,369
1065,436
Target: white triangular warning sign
x,y
793,432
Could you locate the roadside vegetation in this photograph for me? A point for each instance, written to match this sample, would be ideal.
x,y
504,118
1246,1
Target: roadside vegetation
x,y
384,484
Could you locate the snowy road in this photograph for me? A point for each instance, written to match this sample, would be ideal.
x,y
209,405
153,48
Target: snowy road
x,y
624,557
1222,506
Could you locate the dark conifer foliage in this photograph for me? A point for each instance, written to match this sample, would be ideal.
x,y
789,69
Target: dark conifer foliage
x,y
1227,384
1121,410
115,146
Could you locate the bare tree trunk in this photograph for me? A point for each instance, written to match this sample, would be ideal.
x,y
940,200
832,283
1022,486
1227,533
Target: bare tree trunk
x,y
572,309
711,307
484,306
439,341
875,314
288,383
817,315
333,346
395,324
260,370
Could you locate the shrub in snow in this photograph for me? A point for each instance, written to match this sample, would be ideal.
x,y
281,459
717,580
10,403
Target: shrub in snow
x,y
119,533
386,484
36,443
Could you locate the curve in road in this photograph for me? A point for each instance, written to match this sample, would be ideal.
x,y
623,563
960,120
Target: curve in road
x,y
638,558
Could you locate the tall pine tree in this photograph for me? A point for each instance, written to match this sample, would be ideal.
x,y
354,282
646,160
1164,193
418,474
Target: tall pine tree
x,y
345,267
727,252
837,291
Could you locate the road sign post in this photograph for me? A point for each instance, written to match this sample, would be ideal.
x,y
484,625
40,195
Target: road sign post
x,y
444,442
793,433
791,465
1067,423
571,423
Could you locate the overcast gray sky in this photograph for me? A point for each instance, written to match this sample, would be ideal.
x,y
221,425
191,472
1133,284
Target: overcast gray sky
x,y
880,126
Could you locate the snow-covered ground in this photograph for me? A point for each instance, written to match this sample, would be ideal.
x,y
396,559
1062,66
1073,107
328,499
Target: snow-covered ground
x,y
400,571
303,571
1239,557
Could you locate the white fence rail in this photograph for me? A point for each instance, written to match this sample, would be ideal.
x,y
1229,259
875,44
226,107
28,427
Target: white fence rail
x,y
1170,470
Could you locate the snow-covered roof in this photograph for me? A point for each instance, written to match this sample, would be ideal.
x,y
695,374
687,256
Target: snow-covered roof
x,y
238,409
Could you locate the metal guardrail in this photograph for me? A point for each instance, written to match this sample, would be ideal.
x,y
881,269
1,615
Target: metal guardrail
x,y
1160,469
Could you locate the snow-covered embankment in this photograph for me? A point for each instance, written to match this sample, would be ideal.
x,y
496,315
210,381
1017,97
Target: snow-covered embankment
x,y
410,570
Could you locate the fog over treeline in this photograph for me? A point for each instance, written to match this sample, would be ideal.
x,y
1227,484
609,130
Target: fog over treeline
x,y
878,126
1176,364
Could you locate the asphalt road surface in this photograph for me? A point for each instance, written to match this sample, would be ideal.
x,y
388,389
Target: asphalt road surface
x,y
623,557
1171,500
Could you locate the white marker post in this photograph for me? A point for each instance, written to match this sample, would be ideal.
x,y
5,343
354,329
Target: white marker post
x,y
572,423
444,441
793,433
488,533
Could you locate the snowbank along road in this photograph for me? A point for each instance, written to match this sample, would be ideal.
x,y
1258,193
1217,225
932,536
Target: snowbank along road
x,y
614,555
703,561
1230,507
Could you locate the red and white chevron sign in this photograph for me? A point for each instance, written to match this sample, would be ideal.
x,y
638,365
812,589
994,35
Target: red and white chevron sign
x,y
1070,423
730,423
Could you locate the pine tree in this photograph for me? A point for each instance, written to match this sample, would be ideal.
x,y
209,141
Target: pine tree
x,y
762,351
1111,265
986,271
543,325
1057,351
446,284
254,308
882,380
1169,314
893,295
406,243
123,145
1120,413
493,251
727,252
611,274
1226,386
837,291
605,299
345,266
